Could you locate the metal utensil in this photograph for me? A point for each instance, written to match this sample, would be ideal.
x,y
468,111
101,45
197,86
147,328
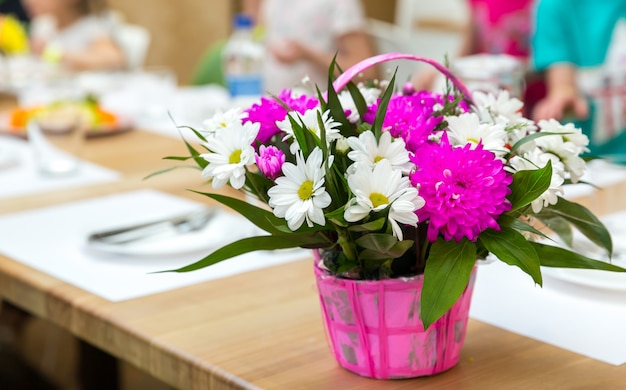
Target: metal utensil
x,y
178,225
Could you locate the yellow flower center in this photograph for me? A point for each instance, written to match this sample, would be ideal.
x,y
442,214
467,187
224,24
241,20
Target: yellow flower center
x,y
306,190
378,199
474,140
378,158
235,157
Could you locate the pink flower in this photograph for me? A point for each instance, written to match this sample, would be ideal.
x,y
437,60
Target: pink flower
x,y
465,190
270,161
411,118
269,111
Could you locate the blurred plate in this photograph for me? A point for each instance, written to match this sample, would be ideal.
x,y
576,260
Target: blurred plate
x,y
122,125
8,157
604,280
222,229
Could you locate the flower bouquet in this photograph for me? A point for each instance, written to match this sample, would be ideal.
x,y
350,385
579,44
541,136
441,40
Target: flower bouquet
x,y
395,184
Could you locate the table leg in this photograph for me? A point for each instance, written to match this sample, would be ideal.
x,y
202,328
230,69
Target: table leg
x,y
97,369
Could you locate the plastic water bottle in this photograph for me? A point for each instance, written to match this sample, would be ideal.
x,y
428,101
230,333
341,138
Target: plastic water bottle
x,y
243,60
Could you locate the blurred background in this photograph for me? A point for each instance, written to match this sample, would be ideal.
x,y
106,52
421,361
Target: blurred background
x,y
435,27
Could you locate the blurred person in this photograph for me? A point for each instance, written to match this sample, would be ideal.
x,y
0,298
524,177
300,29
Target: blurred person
x,y
303,37
77,33
580,45
493,27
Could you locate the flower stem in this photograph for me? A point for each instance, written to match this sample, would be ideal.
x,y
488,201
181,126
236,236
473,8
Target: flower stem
x,y
347,245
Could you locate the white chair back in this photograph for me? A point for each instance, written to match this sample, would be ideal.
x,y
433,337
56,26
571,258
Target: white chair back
x,y
434,28
389,38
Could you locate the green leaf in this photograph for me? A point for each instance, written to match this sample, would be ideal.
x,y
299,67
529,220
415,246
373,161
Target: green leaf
x,y
323,144
336,217
558,225
358,99
258,216
531,137
397,250
381,111
202,163
196,132
513,249
447,273
371,226
258,184
302,136
169,170
246,245
377,242
528,185
334,105
520,226
553,256
584,220
177,158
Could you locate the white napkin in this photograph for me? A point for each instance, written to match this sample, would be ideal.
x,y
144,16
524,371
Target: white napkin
x,y
583,311
21,176
61,249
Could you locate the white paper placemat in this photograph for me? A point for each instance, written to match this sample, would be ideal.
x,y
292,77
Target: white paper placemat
x,y
582,319
19,176
53,240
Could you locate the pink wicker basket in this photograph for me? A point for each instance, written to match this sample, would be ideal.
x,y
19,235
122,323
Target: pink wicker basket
x,y
374,328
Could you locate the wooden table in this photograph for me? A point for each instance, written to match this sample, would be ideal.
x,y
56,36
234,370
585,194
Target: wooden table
x,y
261,329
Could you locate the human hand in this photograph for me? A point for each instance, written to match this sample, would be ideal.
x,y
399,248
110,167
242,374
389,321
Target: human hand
x,y
37,46
559,103
424,80
287,51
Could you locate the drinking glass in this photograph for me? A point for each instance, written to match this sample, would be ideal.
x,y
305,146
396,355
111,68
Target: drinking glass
x,y
56,139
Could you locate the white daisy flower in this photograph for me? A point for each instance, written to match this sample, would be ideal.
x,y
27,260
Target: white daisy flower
x,y
568,146
311,123
538,159
381,187
369,94
231,152
222,120
516,132
466,128
300,195
367,151
501,108
570,133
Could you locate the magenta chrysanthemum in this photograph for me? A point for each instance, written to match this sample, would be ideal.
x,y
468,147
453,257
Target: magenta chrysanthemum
x,y
269,111
410,118
465,190
270,161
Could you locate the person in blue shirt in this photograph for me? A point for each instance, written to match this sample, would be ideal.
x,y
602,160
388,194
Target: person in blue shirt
x,y
581,46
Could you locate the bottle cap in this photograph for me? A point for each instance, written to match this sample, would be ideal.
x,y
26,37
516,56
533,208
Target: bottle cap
x,y
242,21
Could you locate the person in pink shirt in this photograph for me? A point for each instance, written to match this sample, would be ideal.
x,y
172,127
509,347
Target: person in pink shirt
x,y
494,27
499,27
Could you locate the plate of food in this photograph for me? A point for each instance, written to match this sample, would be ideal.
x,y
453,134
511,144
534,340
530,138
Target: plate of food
x,y
100,122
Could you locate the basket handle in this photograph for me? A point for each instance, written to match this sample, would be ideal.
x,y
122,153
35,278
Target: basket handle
x,y
367,63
